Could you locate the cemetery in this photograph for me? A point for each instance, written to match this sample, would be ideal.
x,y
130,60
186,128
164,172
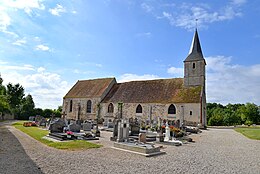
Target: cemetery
x,y
145,138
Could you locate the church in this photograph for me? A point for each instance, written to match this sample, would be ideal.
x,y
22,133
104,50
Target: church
x,y
175,99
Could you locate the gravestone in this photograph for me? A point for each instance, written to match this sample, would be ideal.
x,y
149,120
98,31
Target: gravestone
x,y
142,138
74,127
115,130
110,124
134,127
123,131
167,133
43,122
38,118
57,126
32,118
87,126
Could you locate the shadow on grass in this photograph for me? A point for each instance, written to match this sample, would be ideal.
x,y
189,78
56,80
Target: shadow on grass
x,y
13,158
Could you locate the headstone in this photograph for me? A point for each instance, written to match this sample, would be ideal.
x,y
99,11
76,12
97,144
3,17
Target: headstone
x,y
74,127
72,121
167,133
32,118
123,131
110,124
38,118
43,122
115,130
57,126
142,138
134,127
87,126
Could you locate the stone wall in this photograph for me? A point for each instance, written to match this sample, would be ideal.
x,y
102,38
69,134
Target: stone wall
x,y
194,76
154,111
82,103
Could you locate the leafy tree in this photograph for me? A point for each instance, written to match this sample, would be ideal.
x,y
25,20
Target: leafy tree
x,y
4,106
27,108
15,94
38,111
47,113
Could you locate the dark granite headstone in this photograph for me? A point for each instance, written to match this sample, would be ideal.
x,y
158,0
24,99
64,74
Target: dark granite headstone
x,y
43,122
74,127
87,126
134,127
57,126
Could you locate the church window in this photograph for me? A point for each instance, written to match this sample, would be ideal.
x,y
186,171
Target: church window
x,y
89,106
139,109
171,109
190,112
110,108
193,65
71,105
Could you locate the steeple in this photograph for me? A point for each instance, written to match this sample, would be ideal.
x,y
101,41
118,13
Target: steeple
x,y
194,64
195,49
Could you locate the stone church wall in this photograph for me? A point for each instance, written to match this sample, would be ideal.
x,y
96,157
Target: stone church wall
x,y
76,102
154,111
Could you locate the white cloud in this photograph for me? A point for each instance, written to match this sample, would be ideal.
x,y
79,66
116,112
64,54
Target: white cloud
x,y
177,72
147,7
5,67
20,42
231,83
40,69
133,77
145,34
185,15
42,47
57,10
5,20
46,88
26,5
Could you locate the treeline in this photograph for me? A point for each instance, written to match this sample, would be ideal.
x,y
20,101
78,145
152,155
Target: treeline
x,y
232,114
13,101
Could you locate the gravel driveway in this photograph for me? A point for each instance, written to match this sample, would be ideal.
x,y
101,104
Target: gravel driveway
x,y
215,151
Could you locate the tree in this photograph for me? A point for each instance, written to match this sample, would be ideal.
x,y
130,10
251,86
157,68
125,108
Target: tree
x,y
47,113
4,106
2,87
249,113
27,108
15,94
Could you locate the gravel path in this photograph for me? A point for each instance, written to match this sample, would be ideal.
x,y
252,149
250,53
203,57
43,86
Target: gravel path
x,y
215,151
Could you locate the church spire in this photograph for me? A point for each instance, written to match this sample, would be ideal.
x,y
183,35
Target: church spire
x,y
195,49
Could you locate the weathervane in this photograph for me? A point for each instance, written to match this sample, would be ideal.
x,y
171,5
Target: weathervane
x,y
196,22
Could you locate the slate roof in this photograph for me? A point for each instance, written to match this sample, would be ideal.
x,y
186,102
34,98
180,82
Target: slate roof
x,y
153,91
195,50
89,88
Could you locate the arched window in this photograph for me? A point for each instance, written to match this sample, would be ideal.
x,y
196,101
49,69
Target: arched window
x,y
71,105
89,106
139,109
193,65
110,108
171,109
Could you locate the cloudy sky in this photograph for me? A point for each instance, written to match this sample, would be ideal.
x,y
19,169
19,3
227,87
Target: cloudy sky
x,y
47,46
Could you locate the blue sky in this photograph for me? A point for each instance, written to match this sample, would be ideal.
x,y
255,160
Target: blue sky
x,y
47,46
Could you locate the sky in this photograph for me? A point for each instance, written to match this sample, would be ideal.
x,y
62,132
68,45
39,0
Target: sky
x,y
47,46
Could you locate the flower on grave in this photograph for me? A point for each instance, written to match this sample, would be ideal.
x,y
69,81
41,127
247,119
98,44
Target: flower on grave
x,y
69,133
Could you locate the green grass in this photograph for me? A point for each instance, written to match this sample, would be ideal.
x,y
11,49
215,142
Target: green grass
x,y
250,132
37,133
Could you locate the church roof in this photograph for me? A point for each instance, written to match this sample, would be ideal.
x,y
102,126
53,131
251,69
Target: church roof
x,y
195,49
89,88
153,91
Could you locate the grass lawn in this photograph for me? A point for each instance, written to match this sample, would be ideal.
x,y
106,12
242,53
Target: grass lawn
x,y
37,133
250,132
